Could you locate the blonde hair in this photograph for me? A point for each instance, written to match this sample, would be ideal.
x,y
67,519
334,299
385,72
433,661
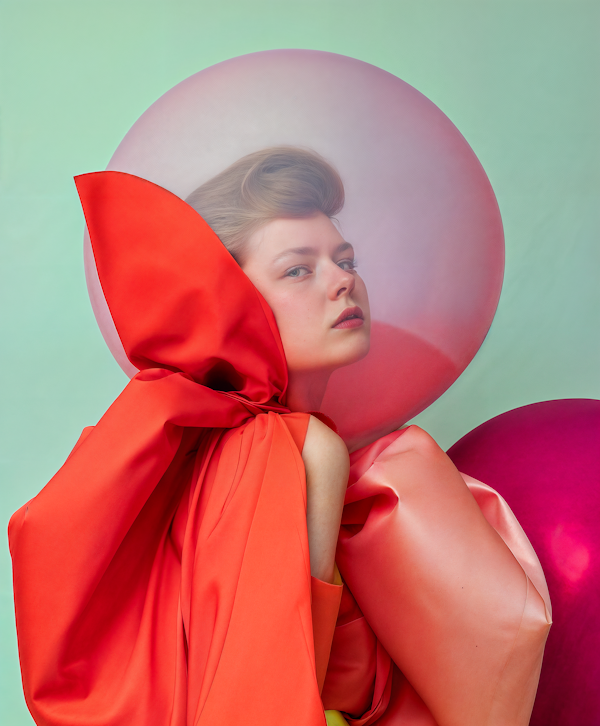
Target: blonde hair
x,y
281,181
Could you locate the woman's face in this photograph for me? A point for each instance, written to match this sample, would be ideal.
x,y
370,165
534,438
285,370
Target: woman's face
x,y
305,271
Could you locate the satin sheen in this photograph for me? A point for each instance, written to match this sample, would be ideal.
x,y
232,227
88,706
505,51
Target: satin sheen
x,y
162,577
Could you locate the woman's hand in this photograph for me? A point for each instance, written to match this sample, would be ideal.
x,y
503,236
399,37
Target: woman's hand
x,y
327,464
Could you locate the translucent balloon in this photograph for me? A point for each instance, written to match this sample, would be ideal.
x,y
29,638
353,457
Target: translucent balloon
x,y
419,210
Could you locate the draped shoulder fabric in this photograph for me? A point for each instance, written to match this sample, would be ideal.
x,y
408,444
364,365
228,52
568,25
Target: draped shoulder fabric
x,y
167,561
445,610
162,577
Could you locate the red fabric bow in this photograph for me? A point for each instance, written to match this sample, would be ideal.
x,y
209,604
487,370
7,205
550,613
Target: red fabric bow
x,y
166,564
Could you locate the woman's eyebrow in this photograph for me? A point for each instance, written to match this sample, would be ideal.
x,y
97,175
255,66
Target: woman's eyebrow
x,y
308,251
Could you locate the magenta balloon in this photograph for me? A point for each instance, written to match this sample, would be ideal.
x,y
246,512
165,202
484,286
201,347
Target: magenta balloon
x,y
419,209
545,461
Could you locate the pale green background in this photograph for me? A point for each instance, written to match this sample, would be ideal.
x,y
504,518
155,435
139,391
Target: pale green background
x,y
519,79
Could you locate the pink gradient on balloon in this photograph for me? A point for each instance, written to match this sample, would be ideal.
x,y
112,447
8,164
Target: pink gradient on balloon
x,y
419,210
544,459
400,367
571,556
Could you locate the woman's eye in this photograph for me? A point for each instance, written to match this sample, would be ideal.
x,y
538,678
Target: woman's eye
x,y
297,271
347,264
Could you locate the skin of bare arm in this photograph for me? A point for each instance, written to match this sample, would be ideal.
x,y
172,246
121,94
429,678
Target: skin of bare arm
x,y
327,463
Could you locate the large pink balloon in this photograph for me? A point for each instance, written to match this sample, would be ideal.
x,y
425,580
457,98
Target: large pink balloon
x,y
545,461
419,209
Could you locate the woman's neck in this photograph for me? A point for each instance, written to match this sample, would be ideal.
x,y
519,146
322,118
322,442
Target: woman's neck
x,y
306,389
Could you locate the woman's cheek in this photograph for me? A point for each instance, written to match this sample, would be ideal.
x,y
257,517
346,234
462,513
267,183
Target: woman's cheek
x,y
294,310
363,295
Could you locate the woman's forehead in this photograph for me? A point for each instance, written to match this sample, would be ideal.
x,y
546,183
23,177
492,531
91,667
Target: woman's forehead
x,y
283,238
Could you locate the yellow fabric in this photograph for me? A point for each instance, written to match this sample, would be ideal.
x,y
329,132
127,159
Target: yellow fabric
x,y
337,578
335,718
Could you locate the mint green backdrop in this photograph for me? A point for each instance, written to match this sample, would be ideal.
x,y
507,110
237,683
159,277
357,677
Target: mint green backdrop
x,y
519,79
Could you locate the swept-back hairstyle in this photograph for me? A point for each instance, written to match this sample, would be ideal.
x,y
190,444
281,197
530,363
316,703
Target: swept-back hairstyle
x,y
274,183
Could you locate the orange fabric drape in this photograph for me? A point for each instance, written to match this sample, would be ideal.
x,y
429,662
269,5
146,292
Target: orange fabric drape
x,y
167,561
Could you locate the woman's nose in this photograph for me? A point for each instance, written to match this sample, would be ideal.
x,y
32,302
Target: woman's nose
x,y
341,283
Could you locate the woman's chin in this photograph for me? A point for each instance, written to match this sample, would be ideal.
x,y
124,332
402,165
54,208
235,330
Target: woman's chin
x,y
355,353
325,358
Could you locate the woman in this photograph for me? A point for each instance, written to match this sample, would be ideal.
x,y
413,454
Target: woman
x,y
179,568
273,211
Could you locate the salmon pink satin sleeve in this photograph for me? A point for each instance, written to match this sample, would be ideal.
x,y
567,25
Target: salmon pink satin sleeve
x,y
452,590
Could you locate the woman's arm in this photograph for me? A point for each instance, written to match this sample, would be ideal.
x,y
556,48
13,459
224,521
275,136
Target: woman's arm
x,y
327,464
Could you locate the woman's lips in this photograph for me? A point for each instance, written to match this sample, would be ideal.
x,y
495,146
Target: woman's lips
x,y
350,318
350,323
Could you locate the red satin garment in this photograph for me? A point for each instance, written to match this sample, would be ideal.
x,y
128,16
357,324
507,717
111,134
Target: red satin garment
x,y
162,577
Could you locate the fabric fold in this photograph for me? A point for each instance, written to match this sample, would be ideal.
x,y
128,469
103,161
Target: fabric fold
x,y
325,605
145,585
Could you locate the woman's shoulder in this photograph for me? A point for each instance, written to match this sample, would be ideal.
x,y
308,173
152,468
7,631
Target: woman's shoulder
x,y
322,446
320,436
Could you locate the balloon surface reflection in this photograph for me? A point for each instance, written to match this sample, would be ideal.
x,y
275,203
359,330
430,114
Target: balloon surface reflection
x,y
545,461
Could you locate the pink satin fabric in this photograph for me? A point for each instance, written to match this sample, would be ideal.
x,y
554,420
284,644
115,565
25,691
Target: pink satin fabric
x,y
445,612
